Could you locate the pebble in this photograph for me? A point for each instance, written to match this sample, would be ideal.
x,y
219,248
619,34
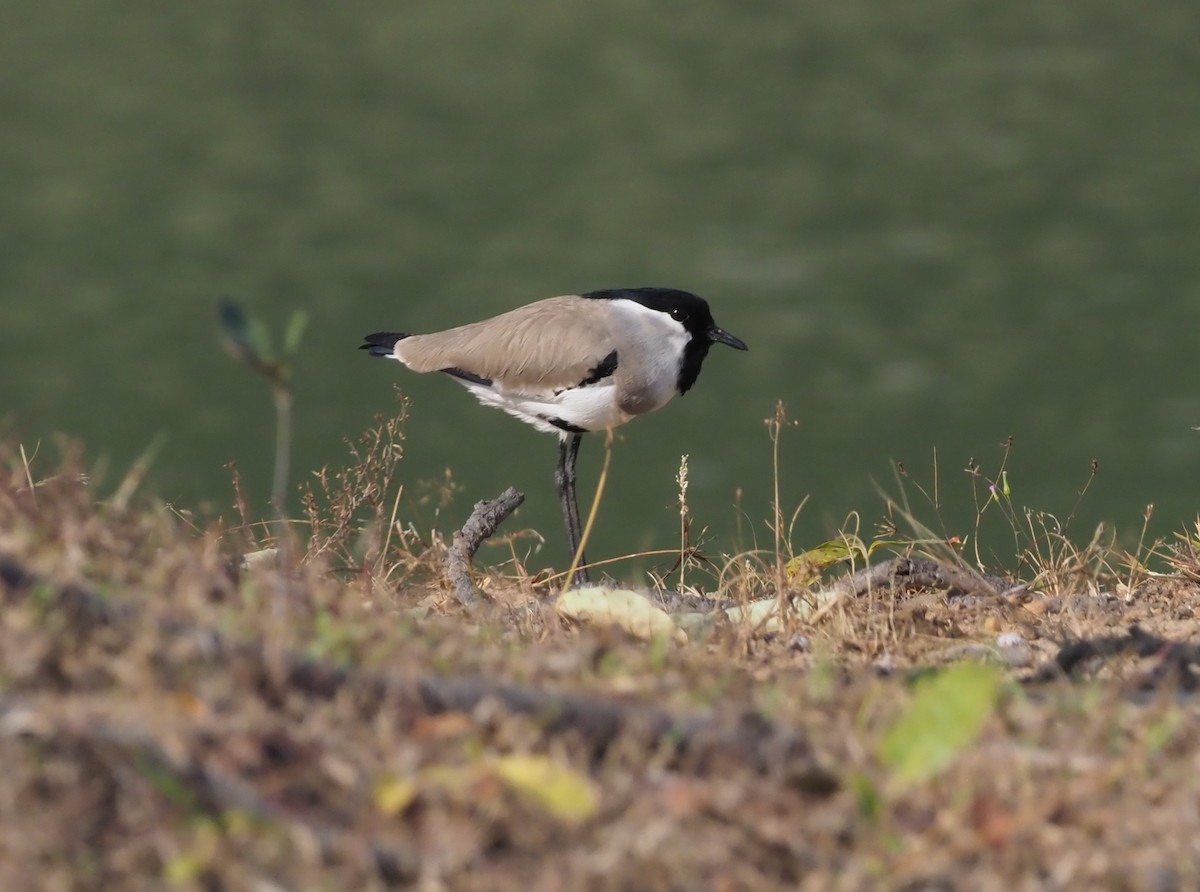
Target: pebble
x,y
1016,657
799,644
1010,639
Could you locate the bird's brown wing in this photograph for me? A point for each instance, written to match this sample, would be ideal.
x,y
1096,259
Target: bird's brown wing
x,y
543,346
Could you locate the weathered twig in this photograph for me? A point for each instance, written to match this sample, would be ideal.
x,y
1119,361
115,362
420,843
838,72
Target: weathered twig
x,y
921,573
910,573
482,523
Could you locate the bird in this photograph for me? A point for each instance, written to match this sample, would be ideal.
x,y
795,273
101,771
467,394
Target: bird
x,y
571,365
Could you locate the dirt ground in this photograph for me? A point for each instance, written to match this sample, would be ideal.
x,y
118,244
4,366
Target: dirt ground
x,y
170,718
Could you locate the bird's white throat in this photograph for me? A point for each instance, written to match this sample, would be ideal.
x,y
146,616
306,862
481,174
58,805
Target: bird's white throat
x,y
653,352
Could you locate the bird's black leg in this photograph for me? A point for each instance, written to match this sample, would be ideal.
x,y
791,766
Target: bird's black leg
x,y
564,478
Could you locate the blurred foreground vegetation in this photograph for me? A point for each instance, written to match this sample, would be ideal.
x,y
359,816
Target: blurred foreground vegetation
x,y
177,712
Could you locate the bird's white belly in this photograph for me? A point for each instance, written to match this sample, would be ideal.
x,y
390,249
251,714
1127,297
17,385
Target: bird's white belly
x,y
591,408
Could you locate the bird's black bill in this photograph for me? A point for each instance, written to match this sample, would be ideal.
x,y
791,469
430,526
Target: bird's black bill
x,y
720,336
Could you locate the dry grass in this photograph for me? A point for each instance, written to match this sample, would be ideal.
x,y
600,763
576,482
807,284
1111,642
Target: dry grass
x,y
168,720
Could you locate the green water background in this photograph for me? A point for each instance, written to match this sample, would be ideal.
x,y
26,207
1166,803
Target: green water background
x,y
935,224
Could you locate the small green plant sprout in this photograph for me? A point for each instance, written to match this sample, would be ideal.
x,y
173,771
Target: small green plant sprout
x,y
1002,488
248,342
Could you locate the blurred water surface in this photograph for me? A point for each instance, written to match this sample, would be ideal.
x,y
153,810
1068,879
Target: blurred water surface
x,y
935,224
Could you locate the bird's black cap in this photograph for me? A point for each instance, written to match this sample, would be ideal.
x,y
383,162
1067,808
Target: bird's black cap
x,y
689,310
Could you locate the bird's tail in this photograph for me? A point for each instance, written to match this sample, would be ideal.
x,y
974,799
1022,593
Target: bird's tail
x,y
382,343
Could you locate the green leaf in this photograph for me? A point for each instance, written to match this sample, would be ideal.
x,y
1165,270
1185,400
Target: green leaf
x,y
946,715
806,567
295,331
393,795
246,339
260,340
234,328
184,867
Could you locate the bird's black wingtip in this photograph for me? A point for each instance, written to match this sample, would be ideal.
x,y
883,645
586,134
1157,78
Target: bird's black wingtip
x,y
382,343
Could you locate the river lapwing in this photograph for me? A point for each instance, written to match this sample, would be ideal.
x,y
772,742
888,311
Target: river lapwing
x,y
573,364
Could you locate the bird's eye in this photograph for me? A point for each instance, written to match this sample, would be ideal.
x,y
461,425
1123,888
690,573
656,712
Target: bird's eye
x,y
679,314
